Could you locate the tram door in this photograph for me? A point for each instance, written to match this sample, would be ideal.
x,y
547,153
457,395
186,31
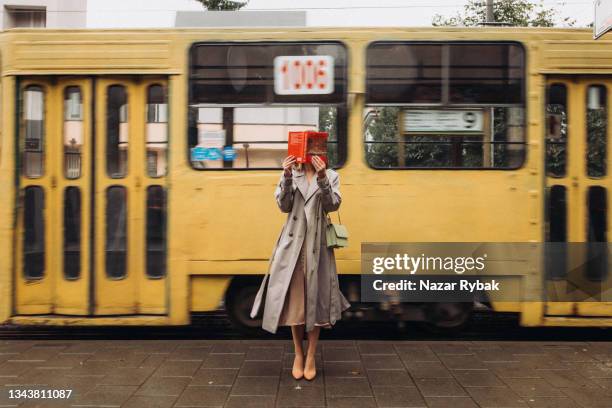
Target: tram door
x,y
579,182
92,204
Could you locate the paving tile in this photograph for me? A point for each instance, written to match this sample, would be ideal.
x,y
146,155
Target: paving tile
x,y
539,361
340,354
454,348
532,387
189,354
347,387
382,362
346,343
496,397
591,370
149,402
398,397
164,386
15,368
300,397
223,361
62,360
440,387
153,360
551,402
573,354
477,378
214,376
253,401
513,370
127,376
351,402
177,369
428,370
390,378
495,355
462,362
255,386
447,402
203,396
152,347
264,354
589,396
260,368
416,353
378,347
37,354
106,395
229,348
343,369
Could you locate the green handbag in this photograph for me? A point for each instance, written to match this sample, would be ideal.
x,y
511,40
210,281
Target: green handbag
x,y
336,234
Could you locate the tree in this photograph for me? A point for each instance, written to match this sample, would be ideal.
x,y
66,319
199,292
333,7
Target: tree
x,y
219,5
519,13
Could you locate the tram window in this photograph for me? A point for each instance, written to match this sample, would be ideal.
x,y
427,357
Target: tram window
x,y
73,132
34,233
156,232
234,109
157,130
428,106
597,257
597,128
556,130
33,159
556,233
117,136
72,233
116,232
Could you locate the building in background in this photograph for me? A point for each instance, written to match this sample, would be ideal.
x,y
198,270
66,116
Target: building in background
x,y
43,13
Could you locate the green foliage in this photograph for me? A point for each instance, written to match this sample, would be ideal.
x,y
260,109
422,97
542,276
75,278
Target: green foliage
x,y
219,5
519,13
328,123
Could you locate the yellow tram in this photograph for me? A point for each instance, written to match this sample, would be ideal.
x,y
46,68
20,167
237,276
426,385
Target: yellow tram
x,y
117,209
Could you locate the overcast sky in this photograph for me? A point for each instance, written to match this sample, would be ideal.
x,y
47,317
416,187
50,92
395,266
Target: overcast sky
x,y
160,13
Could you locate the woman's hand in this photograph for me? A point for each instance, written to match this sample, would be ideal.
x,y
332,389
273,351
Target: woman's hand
x,y
319,166
288,164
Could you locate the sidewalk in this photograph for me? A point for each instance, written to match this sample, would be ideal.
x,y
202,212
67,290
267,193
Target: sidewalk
x,y
201,373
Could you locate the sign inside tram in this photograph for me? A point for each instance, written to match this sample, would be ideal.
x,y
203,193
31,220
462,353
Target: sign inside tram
x,y
442,120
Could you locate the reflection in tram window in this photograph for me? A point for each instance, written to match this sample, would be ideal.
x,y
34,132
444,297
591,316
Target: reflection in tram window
x,y
73,131
34,233
597,127
33,131
116,232
157,130
437,105
556,130
72,233
597,258
117,136
156,232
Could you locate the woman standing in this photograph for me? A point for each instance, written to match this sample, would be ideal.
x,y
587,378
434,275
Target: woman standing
x,y
302,284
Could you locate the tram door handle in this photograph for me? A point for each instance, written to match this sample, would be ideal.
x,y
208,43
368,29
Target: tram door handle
x,y
53,181
575,182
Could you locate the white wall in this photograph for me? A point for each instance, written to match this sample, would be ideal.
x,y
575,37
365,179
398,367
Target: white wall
x,y
60,13
136,13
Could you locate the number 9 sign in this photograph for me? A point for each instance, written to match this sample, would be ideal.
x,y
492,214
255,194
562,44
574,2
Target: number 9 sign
x,y
304,75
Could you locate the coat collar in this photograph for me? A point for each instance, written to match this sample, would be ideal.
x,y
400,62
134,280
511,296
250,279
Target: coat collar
x,y
301,181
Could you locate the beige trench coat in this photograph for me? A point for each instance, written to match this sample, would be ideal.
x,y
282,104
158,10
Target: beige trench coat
x,y
306,205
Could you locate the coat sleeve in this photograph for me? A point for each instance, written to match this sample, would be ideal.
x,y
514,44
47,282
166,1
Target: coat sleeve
x,y
284,194
330,191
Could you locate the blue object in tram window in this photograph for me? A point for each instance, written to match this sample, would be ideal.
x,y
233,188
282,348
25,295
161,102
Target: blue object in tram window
x,y
213,153
198,154
229,153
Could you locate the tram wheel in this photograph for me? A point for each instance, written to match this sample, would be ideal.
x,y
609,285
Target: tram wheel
x,y
238,303
447,318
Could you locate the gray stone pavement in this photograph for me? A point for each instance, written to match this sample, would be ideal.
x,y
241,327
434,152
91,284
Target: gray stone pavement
x,y
254,373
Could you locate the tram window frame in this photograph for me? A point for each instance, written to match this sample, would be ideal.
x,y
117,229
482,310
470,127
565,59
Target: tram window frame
x,y
445,103
272,100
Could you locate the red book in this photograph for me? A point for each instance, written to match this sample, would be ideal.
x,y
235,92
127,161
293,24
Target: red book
x,y
304,145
